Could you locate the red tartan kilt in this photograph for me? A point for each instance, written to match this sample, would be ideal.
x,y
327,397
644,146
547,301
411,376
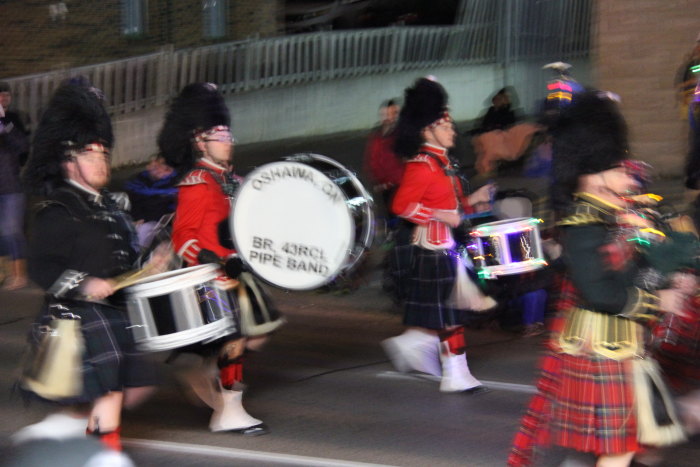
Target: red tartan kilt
x,y
593,410
676,346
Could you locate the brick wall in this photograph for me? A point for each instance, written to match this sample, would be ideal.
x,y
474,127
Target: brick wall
x,y
639,46
91,32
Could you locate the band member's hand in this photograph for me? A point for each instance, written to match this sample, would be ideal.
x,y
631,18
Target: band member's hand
x,y
233,267
450,218
95,288
483,194
208,257
634,220
685,283
671,301
160,258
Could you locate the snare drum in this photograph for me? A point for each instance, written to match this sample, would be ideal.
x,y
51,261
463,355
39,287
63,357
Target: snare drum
x,y
300,222
507,247
179,308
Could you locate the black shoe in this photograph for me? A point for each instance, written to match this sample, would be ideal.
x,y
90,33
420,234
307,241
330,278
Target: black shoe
x,y
255,430
476,390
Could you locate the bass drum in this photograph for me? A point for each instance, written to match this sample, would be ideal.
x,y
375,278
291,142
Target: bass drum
x,y
300,222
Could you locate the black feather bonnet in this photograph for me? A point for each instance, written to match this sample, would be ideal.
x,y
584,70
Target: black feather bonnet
x,y
75,118
199,107
589,136
424,103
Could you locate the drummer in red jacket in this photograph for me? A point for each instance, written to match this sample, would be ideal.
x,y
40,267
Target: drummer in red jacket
x,y
430,196
196,140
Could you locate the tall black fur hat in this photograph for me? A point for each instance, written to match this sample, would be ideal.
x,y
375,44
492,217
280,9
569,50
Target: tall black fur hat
x,y
589,136
424,103
198,107
74,118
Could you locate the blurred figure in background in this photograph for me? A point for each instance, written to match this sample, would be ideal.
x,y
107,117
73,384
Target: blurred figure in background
x,y
500,137
14,145
500,114
152,193
382,166
686,79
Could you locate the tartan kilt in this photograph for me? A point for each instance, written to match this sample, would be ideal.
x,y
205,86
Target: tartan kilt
x,y
594,407
110,360
428,287
582,403
675,345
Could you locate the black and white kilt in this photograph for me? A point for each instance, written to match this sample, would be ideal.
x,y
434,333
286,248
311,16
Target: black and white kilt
x,y
110,359
428,286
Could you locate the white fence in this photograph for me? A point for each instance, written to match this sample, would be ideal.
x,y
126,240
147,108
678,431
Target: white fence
x,y
495,31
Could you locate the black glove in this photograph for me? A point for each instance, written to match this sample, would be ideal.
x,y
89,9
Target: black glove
x,y
208,256
233,267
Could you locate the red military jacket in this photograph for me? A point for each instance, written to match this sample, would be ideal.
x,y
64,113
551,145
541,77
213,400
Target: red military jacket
x,y
425,188
201,207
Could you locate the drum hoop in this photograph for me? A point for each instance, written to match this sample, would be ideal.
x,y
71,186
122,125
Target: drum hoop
x,y
354,254
171,281
178,339
524,222
367,236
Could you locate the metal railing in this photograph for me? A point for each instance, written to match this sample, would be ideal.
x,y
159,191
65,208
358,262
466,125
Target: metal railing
x,y
494,31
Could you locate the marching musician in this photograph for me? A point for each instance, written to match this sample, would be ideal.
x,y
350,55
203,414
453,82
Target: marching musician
x,y
82,238
430,196
594,393
196,140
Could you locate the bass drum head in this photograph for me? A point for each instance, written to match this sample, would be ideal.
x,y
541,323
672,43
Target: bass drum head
x,y
292,224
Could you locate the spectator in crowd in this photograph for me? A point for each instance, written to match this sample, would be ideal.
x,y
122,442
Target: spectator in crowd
x,y
686,79
152,193
14,145
383,167
500,115
500,137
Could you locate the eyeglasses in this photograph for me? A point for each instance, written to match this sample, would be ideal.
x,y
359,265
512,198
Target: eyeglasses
x,y
92,157
220,139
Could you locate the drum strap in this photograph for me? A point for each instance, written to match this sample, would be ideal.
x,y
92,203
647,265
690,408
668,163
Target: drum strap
x,y
228,183
452,171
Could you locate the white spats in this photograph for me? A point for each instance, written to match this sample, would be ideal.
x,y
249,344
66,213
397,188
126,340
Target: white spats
x,y
414,350
456,376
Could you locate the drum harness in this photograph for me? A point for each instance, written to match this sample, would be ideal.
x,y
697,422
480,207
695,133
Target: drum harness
x,y
452,171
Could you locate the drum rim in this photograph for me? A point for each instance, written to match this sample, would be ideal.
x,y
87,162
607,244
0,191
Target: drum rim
x,y
356,248
170,281
524,221
174,340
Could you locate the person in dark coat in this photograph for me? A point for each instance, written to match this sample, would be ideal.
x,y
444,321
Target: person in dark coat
x,y
82,240
14,145
152,193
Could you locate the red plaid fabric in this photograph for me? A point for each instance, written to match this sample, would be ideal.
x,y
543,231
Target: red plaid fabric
x,y
534,427
586,404
676,346
594,410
